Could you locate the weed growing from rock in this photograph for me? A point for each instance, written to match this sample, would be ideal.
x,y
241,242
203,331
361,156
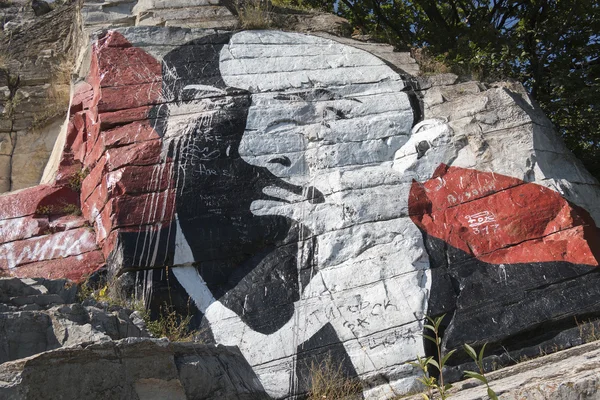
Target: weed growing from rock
x,y
77,178
423,363
170,324
481,374
254,14
328,381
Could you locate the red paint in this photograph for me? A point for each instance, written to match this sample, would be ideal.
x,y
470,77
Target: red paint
x,y
503,220
76,268
93,179
137,95
123,83
145,153
94,204
112,119
35,200
82,97
127,180
47,247
139,131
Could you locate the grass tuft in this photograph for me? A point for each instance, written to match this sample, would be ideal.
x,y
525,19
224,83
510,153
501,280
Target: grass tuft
x,y
171,325
254,14
428,64
327,381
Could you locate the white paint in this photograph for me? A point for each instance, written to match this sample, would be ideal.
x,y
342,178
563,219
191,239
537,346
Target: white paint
x,y
20,228
442,149
48,247
355,145
276,66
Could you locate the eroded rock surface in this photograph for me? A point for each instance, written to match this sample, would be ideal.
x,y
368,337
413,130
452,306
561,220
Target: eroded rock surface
x,y
35,68
131,368
37,315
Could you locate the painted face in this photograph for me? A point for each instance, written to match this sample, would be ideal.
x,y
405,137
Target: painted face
x,y
331,144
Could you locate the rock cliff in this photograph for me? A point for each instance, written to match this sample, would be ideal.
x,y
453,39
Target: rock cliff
x,y
309,197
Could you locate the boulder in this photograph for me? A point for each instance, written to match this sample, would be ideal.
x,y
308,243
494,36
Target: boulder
x,y
131,369
37,315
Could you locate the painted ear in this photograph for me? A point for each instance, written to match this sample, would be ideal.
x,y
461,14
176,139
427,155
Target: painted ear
x,y
422,148
427,124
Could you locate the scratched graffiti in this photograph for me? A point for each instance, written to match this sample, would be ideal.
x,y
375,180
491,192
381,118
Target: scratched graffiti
x,y
481,190
58,245
483,222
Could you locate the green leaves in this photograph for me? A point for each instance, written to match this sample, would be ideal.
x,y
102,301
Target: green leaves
x,y
480,376
492,395
435,341
472,374
423,363
471,352
446,357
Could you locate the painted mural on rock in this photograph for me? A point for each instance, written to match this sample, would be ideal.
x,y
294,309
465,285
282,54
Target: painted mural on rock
x,y
304,208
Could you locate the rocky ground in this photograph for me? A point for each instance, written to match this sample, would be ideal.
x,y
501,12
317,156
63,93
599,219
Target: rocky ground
x,y
54,347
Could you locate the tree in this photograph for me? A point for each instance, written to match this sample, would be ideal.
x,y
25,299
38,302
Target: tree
x,y
551,46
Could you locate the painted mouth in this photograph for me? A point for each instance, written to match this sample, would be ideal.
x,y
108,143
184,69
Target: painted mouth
x,y
289,193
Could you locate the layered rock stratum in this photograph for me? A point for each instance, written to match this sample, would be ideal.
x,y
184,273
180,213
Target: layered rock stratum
x,y
306,197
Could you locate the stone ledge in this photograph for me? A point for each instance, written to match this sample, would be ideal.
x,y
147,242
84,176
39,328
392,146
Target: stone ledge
x,y
569,374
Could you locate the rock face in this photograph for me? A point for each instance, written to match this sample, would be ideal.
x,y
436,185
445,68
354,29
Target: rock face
x,y
103,352
37,315
570,374
35,70
139,369
311,200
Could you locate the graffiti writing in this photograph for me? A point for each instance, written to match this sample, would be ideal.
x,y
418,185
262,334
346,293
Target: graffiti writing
x,y
393,337
481,222
480,191
58,245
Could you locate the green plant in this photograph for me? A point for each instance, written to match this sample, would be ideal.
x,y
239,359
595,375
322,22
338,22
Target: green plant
x,y
292,4
478,358
428,64
430,382
77,178
71,209
107,291
65,208
254,14
84,291
328,381
170,324
44,210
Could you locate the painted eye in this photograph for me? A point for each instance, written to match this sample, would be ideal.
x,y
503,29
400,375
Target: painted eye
x,y
334,112
281,160
422,148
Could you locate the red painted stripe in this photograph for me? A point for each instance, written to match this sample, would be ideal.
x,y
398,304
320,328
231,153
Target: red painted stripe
x,y
503,220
